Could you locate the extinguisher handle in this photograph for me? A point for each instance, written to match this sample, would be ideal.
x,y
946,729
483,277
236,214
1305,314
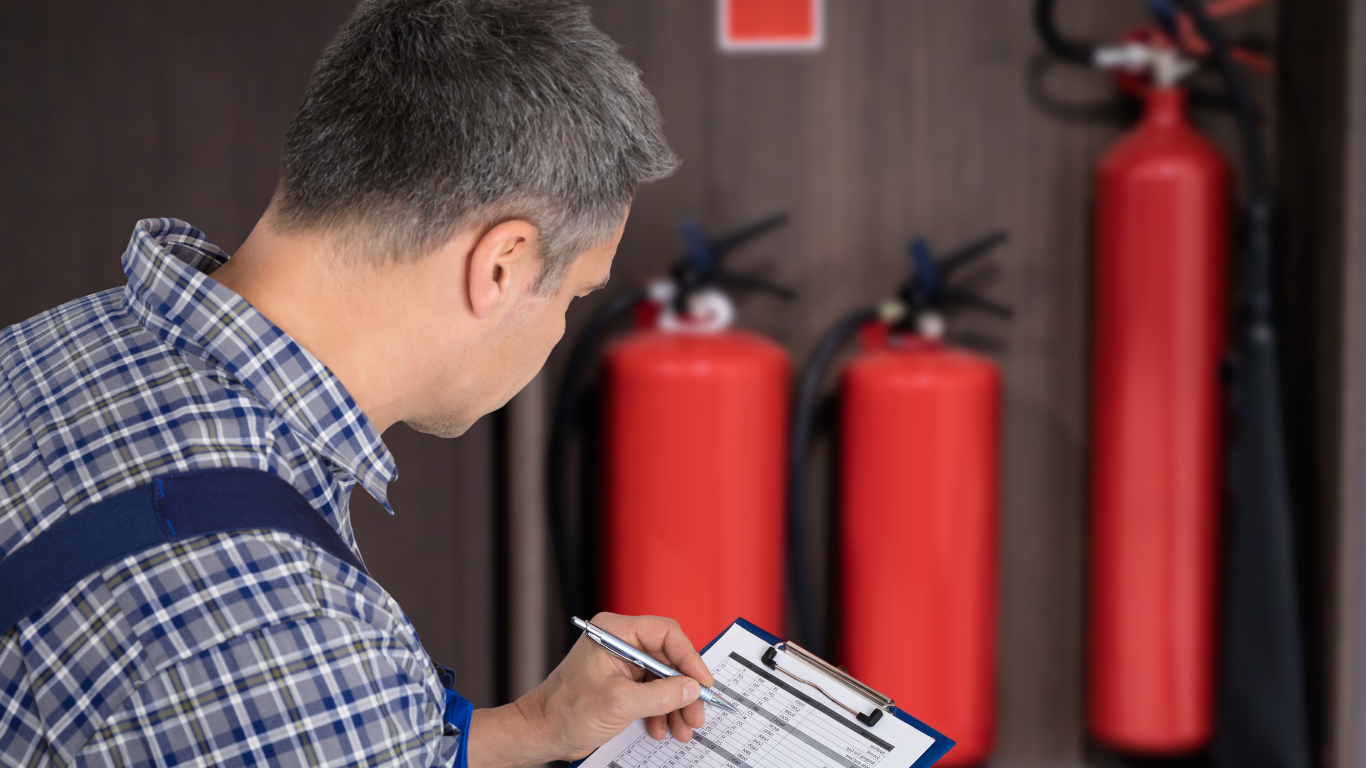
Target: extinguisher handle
x,y
966,254
703,255
727,243
755,283
953,297
701,263
929,289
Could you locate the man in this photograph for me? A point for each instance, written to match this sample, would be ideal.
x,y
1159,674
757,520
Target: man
x,y
459,171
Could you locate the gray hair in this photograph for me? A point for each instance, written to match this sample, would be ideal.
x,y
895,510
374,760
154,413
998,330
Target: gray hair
x,y
427,117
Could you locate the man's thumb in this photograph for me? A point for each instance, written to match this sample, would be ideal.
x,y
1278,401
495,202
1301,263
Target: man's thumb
x,y
659,697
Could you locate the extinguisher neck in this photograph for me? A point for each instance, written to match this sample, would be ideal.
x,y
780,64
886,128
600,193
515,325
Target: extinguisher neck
x,y
1166,107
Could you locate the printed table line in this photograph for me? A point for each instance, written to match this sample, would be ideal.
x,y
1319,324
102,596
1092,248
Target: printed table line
x,y
800,734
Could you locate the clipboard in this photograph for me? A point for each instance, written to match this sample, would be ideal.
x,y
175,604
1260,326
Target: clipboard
x,y
784,669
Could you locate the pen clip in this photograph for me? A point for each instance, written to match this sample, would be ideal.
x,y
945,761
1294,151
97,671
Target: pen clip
x,y
595,632
622,656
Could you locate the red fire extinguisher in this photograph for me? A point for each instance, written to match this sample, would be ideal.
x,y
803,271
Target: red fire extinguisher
x,y
694,430
919,444
1162,253
1163,200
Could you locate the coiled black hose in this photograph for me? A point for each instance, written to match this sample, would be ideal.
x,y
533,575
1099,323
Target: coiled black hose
x,y
1060,46
557,460
799,442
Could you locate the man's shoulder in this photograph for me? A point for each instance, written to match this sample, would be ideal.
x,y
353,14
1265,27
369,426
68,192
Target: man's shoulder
x,y
92,403
89,317
93,354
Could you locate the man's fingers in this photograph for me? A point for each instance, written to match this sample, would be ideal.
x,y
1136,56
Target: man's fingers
x,y
679,727
661,638
679,651
693,666
603,656
693,714
657,697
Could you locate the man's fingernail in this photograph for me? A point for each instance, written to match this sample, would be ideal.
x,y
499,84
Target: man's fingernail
x,y
691,690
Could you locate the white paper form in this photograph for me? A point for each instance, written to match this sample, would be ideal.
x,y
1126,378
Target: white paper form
x,y
782,723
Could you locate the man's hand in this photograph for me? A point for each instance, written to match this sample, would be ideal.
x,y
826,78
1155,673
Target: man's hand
x,y
592,696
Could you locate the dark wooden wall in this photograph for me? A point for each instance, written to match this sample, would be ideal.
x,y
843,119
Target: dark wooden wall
x,y
114,112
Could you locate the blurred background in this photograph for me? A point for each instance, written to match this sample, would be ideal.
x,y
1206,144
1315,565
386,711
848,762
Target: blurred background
x,y
946,120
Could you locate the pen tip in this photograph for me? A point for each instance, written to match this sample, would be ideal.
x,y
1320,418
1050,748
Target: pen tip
x,y
721,702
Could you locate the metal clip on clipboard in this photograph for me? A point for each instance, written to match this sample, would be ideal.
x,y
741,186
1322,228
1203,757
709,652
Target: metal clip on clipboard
x,y
880,703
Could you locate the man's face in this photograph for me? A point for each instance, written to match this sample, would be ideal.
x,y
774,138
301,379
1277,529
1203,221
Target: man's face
x,y
517,347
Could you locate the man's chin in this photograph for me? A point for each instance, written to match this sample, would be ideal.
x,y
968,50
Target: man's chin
x,y
439,427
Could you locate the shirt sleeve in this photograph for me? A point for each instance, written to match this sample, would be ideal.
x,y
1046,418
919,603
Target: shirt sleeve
x,y
320,691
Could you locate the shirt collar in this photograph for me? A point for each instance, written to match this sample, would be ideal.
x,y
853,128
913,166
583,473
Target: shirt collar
x,y
168,263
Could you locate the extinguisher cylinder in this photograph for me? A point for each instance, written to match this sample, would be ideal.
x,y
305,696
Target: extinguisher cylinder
x,y
920,444
695,430
1159,335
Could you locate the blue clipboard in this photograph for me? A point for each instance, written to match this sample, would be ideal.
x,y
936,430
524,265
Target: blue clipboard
x,y
942,744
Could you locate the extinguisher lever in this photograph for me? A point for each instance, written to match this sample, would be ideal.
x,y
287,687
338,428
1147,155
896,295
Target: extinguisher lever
x,y
966,254
701,264
754,283
702,256
729,242
929,288
954,297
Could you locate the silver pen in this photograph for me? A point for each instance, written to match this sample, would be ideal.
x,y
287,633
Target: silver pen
x,y
631,654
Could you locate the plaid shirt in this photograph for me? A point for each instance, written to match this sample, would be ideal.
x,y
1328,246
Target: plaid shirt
x,y
230,649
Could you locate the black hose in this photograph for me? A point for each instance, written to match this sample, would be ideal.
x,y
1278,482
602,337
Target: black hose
x,y
1256,266
1261,712
557,461
1047,28
803,419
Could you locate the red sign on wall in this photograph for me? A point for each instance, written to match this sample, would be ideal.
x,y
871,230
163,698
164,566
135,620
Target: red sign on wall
x,y
771,25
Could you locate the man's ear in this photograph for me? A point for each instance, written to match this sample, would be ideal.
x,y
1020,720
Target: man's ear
x,y
503,263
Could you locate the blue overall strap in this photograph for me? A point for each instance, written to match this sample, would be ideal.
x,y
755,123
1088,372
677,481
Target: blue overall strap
x,y
168,509
459,711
